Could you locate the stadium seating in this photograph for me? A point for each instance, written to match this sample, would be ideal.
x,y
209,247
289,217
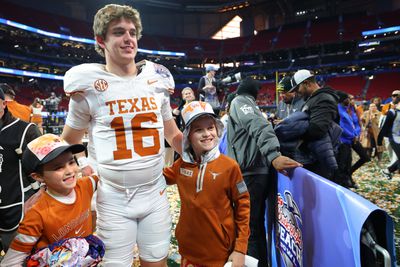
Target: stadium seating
x,y
350,84
383,85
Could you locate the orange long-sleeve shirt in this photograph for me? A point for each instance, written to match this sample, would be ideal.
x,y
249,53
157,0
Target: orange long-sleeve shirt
x,y
215,210
387,107
20,111
50,220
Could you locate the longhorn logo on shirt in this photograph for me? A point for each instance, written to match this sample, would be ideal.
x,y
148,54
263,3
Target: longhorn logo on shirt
x,y
214,175
290,236
100,85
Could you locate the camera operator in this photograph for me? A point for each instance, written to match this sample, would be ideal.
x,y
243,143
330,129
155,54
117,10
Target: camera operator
x,y
52,103
207,89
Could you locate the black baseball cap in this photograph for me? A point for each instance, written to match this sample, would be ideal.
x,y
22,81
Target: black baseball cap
x,y
44,149
285,84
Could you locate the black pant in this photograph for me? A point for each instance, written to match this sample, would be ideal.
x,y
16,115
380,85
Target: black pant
x,y
257,246
396,148
362,153
344,158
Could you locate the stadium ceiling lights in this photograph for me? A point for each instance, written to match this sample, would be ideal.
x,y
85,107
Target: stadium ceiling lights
x,y
81,40
380,31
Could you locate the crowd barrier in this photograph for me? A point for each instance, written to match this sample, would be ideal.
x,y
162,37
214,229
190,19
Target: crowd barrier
x,y
323,224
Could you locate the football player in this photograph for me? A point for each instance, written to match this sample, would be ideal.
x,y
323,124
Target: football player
x,y
124,106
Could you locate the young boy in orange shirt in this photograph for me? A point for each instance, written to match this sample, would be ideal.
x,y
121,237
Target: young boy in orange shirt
x,y
215,205
63,210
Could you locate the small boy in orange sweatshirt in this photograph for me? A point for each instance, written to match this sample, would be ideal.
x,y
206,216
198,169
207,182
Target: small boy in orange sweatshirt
x,y
215,205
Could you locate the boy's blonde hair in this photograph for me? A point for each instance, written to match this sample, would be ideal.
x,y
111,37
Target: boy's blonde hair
x,y
109,13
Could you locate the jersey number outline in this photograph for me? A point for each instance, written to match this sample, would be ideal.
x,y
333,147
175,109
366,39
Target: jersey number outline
x,y
138,133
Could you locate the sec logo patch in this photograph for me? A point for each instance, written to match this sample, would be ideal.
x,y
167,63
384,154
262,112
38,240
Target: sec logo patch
x,y
101,85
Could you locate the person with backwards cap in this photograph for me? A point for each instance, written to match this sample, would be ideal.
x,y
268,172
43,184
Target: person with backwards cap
x,y
15,185
321,106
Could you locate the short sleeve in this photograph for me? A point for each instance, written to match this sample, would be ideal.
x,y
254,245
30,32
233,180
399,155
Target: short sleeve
x,y
29,232
79,113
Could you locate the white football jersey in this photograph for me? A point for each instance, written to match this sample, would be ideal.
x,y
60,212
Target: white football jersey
x,y
125,115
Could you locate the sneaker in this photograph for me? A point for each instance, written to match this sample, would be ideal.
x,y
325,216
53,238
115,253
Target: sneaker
x,y
387,174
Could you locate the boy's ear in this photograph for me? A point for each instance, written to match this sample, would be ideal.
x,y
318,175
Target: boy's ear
x,y
37,176
100,41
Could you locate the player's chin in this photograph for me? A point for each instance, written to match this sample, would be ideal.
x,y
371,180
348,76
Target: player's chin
x,y
129,54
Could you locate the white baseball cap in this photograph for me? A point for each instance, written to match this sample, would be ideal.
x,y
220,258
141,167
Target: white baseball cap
x,y
196,109
396,92
299,77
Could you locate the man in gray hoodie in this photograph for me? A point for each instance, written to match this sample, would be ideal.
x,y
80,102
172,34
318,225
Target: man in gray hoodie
x,y
253,144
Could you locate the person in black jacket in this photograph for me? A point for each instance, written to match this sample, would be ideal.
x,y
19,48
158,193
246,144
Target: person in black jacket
x,y
15,134
321,105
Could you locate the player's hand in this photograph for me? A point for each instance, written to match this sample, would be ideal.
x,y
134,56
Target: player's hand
x,y
86,171
171,91
237,259
282,164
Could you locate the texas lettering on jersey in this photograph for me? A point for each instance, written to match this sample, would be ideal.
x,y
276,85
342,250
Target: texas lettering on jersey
x,y
123,106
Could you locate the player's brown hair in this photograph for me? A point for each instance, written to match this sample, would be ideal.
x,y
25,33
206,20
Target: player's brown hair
x,y
110,13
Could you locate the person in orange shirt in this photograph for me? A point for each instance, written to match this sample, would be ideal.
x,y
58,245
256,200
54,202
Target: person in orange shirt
x,y
18,110
63,209
36,109
215,212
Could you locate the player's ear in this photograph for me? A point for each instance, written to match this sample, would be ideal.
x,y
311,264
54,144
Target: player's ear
x,y
100,41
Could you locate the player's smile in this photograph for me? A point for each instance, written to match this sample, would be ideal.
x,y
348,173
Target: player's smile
x,y
128,48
